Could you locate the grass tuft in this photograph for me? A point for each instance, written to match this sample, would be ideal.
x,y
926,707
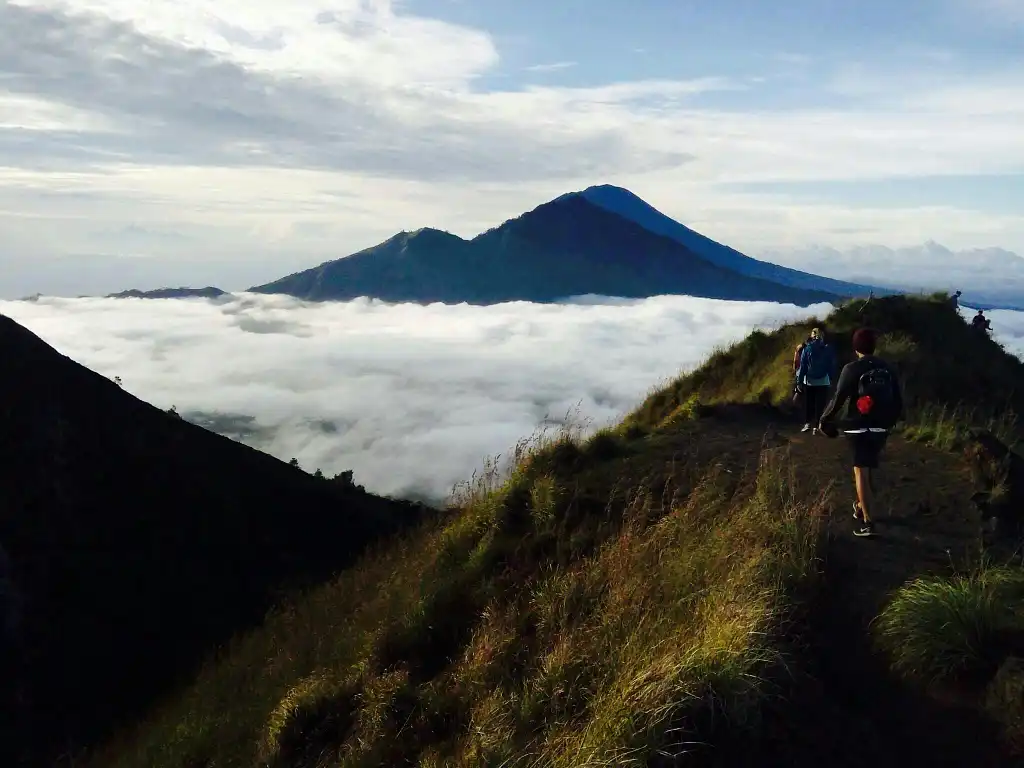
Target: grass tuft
x,y
949,428
939,629
314,715
607,444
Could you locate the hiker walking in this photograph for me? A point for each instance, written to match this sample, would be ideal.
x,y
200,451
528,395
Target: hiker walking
x,y
981,323
814,377
871,388
955,299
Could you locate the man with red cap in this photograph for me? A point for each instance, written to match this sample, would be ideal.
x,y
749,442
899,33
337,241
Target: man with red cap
x,y
871,388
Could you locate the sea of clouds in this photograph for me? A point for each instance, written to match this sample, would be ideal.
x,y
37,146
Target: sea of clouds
x,y
412,398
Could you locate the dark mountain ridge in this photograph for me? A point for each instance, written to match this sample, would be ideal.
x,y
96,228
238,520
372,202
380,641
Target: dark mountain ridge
x,y
566,247
209,292
139,542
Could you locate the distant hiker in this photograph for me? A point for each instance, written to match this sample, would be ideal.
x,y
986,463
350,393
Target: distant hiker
x,y
814,377
981,323
872,389
956,299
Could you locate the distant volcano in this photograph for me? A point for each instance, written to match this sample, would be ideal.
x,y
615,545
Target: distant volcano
x,y
604,240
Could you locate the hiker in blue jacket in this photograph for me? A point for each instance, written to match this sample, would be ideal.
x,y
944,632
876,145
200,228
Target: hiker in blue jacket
x,y
814,378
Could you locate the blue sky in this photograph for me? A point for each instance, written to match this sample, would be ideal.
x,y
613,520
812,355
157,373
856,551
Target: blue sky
x,y
621,40
175,141
998,193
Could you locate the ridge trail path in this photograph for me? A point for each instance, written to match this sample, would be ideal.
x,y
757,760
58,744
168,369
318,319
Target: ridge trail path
x,y
925,523
846,708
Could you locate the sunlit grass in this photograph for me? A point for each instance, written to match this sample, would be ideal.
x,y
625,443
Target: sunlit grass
x,y
431,651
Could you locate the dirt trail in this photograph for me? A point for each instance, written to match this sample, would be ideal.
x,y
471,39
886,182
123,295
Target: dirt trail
x,y
845,708
923,516
925,523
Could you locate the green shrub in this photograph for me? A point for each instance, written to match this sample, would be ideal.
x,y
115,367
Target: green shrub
x,y
936,629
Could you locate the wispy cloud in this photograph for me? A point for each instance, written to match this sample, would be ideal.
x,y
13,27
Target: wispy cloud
x,y
553,67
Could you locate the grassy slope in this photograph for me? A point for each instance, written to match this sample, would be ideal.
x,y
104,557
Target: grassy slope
x,y
942,362
605,604
504,629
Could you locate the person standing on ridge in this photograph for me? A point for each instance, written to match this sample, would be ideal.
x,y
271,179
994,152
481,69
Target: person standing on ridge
x,y
814,377
981,323
872,389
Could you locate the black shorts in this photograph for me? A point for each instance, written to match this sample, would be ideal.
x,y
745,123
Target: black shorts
x,y
867,447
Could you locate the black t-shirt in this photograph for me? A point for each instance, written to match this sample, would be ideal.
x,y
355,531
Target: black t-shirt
x,y
846,388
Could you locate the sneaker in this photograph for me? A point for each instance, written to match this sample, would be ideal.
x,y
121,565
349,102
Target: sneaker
x,y
814,431
806,428
865,529
857,514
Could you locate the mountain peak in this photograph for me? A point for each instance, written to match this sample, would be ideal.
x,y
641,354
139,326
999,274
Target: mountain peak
x,y
209,292
609,190
630,206
425,234
603,239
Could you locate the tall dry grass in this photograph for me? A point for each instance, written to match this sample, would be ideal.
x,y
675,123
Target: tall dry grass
x,y
453,647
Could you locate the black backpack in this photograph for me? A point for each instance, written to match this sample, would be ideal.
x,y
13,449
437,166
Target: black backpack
x,y
876,399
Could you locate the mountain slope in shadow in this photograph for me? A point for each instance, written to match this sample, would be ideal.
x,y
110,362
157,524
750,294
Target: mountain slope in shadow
x,y
139,542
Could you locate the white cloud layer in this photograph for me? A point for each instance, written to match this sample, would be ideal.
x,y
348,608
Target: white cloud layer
x,y
411,398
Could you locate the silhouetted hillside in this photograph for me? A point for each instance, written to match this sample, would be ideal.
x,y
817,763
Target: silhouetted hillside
x,y
680,589
139,542
209,292
567,247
